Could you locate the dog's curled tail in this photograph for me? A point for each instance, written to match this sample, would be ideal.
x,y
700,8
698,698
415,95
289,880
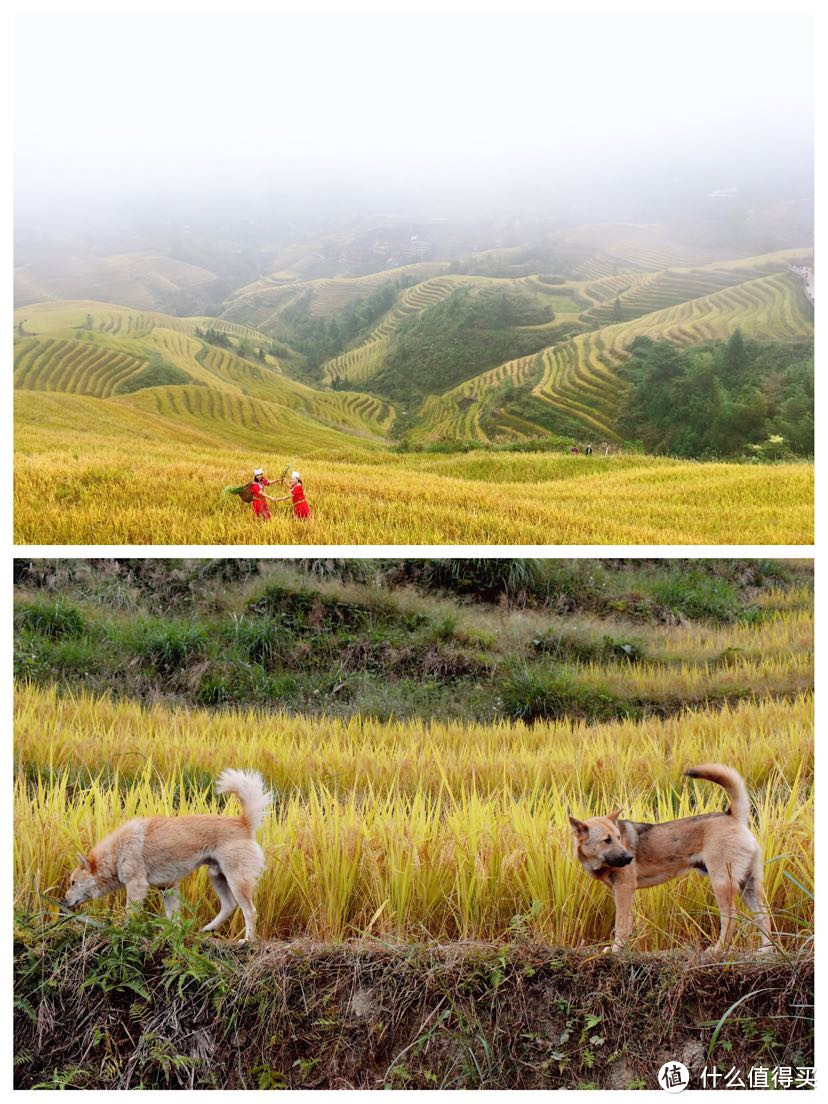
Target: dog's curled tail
x,y
730,781
248,787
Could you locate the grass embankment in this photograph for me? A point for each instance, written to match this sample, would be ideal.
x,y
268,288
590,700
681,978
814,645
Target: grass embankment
x,y
582,639
157,1007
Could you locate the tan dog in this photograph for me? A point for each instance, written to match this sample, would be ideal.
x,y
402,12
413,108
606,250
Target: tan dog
x,y
160,851
627,856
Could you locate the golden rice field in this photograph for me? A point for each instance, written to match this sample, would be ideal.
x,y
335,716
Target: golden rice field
x,y
641,293
456,414
107,454
631,249
126,473
417,830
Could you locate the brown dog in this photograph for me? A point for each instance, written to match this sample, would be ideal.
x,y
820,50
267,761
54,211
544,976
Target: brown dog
x,y
159,851
627,856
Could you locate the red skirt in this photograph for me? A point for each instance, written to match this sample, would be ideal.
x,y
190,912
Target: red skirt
x,y
301,509
261,509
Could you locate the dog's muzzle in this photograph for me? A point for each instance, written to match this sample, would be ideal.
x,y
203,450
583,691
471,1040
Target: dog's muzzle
x,y
620,860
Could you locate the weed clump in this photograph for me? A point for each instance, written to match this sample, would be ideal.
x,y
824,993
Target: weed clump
x,y
532,693
54,620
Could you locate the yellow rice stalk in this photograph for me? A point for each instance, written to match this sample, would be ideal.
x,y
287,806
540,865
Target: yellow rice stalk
x,y
463,835
80,480
90,735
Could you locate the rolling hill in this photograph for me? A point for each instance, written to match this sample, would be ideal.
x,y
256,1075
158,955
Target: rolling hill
x,y
157,363
103,389
578,376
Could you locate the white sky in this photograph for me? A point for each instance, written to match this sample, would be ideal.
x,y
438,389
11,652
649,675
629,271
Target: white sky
x,y
124,105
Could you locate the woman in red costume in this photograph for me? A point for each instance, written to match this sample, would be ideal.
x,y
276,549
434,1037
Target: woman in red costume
x,y
301,508
260,507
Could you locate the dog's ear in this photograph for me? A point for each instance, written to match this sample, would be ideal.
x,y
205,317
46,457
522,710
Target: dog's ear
x,y
615,815
83,861
578,827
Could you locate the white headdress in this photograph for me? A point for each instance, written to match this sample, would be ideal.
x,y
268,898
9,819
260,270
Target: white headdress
x,y
295,475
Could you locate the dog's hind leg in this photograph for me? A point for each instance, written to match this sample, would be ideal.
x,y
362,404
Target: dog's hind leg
x,y
753,894
228,901
242,888
725,891
172,902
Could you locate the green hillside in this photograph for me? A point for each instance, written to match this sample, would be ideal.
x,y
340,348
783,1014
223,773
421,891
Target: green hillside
x,y
510,345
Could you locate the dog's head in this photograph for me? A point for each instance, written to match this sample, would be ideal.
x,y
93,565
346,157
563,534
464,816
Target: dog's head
x,y
598,842
83,883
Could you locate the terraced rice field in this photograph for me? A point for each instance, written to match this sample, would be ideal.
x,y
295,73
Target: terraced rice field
x,y
630,249
365,360
75,421
579,377
234,328
77,367
69,358
644,293
262,303
43,319
456,415
228,416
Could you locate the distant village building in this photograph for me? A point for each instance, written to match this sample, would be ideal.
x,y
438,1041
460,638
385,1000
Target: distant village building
x,y
416,247
805,274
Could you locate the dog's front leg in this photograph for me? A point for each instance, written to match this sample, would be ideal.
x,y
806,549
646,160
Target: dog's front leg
x,y
136,891
623,890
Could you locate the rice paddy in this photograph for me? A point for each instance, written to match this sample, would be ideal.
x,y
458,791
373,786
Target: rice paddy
x,y
128,472
410,830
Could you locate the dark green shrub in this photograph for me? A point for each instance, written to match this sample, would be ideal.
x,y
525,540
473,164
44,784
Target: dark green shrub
x,y
573,645
698,595
53,620
544,694
486,580
157,373
261,639
170,646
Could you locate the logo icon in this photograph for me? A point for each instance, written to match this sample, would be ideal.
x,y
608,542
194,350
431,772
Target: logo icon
x,y
673,1077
